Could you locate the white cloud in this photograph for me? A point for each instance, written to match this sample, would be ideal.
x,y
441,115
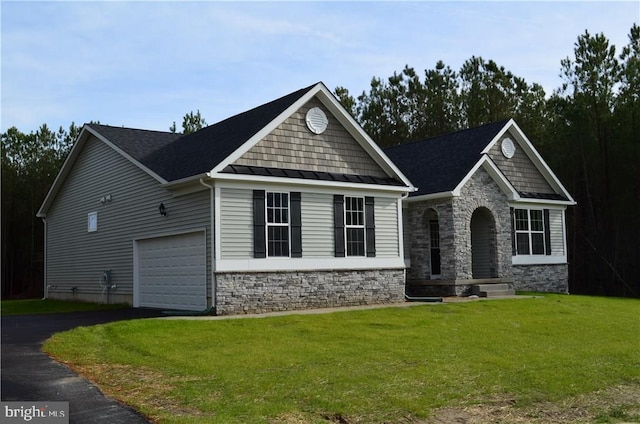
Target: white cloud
x,y
148,63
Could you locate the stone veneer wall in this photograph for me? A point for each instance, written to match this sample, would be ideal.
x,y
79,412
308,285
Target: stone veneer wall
x,y
481,191
418,236
259,292
542,278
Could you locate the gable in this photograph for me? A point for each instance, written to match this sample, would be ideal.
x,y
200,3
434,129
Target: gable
x,y
291,145
437,165
520,170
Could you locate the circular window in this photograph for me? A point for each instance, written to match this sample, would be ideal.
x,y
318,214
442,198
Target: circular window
x,y
316,120
508,148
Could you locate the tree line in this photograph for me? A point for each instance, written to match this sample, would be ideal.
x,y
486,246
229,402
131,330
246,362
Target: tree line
x,y
587,130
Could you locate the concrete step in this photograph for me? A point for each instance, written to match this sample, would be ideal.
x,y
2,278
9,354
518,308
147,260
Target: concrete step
x,y
498,293
487,287
493,290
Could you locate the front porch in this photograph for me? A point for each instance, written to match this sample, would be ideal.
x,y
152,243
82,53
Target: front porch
x,y
483,287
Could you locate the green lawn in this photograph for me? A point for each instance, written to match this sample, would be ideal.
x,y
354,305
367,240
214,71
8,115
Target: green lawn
x,y
49,306
391,365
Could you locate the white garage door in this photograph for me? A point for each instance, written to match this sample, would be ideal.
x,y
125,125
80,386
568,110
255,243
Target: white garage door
x,y
172,272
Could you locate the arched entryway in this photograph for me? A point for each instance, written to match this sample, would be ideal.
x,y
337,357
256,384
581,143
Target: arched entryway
x,y
483,244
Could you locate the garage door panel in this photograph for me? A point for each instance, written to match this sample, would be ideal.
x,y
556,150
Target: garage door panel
x,y
172,272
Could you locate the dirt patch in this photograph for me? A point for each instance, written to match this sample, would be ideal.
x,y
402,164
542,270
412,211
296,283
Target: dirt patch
x,y
151,393
620,404
148,390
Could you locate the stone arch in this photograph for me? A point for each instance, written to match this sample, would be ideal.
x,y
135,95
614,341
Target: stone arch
x,y
484,243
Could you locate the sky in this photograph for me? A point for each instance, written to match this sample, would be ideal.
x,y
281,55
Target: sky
x,y
145,64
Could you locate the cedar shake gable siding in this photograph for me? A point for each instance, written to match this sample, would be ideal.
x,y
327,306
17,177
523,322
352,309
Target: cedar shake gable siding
x,y
292,146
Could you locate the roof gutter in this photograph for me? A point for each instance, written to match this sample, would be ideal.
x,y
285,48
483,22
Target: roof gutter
x,y
431,196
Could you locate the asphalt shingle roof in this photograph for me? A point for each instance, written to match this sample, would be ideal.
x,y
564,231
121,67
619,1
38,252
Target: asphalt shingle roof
x,y
175,156
438,164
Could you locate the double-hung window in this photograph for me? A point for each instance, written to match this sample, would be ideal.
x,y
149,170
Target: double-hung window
x,y
529,231
277,224
354,226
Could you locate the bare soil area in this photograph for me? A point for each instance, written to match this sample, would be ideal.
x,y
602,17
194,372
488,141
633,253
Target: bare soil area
x,y
619,404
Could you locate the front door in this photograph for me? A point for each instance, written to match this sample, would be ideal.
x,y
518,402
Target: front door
x,y
482,248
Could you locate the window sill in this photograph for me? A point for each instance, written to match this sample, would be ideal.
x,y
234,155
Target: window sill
x,y
538,260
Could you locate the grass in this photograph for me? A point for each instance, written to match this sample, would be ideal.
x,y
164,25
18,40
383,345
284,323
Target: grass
x,y
49,306
372,366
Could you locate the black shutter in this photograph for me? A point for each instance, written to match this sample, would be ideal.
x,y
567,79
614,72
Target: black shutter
x,y
547,232
296,224
370,226
259,241
514,250
338,225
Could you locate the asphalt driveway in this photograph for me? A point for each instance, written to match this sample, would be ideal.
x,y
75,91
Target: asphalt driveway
x,y
28,374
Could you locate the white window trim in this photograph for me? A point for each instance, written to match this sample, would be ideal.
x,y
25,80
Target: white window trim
x,y
538,260
542,259
92,222
268,224
529,231
362,226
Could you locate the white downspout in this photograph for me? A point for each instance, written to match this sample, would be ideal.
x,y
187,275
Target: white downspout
x,y
213,240
46,286
406,296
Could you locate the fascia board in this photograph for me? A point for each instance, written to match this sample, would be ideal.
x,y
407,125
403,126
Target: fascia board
x,y
498,136
495,173
127,156
308,183
533,155
266,130
64,171
328,100
177,184
531,201
430,196
84,135
365,141
502,181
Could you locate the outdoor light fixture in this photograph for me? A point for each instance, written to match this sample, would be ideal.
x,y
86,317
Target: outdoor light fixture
x,y
162,209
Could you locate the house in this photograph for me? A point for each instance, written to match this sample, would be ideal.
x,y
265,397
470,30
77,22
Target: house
x,y
488,209
286,206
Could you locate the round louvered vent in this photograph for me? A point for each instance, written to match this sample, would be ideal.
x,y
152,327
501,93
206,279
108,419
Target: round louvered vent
x,y
316,120
508,148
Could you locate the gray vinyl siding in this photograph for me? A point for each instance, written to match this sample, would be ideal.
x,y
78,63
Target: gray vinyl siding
x,y
317,225
76,257
293,146
520,170
236,223
556,224
386,218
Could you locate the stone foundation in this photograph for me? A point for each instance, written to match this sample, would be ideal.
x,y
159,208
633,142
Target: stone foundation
x,y
259,292
542,278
